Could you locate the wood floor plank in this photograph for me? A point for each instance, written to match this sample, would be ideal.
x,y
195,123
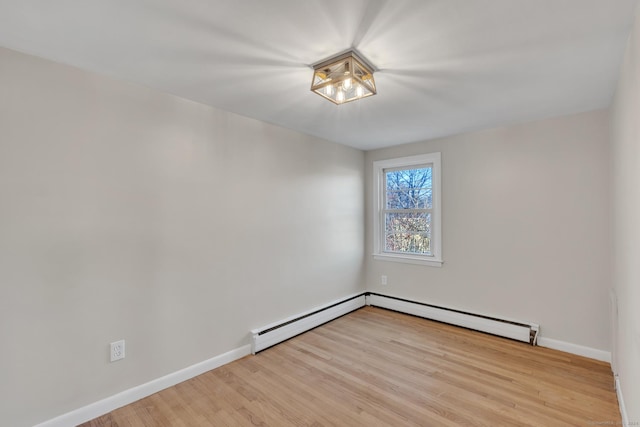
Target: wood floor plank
x,y
376,367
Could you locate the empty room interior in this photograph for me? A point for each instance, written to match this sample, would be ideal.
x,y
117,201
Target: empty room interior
x,y
319,213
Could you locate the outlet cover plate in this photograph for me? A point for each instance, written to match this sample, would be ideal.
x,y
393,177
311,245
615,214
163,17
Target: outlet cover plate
x,y
117,350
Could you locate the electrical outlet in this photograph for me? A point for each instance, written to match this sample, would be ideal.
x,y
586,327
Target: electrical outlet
x,y
117,350
383,280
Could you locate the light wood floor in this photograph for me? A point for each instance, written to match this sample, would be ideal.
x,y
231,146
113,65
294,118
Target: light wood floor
x,y
375,367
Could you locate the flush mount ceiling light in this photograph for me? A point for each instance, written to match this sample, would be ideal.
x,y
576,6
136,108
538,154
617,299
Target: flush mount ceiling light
x,y
343,78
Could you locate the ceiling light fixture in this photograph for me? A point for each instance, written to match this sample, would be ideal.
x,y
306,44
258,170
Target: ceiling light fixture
x,y
343,78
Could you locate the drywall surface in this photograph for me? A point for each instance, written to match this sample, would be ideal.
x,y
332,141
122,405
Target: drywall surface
x,y
625,136
131,214
526,227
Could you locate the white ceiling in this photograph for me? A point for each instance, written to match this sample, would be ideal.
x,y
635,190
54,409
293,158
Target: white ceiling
x,y
445,66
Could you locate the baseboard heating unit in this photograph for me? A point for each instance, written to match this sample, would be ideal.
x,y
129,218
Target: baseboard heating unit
x,y
282,330
520,331
275,333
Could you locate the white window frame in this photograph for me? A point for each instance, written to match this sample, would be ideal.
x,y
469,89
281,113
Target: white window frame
x,y
433,260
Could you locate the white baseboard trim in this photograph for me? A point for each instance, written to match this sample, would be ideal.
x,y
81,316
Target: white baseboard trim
x,y
96,409
623,408
580,350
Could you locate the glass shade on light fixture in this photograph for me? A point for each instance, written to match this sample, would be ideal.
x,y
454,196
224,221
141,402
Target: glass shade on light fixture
x,y
344,78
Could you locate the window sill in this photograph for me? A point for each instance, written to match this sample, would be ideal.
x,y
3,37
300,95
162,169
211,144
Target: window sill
x,y
408,259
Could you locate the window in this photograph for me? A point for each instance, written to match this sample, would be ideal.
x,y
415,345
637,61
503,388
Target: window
x,y
407,210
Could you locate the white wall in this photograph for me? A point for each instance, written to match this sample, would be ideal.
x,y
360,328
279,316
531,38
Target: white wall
x,y
130,214
526,227
625,136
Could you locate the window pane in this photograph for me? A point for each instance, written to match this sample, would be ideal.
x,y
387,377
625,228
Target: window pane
x,y
408,232
409,188
408,243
